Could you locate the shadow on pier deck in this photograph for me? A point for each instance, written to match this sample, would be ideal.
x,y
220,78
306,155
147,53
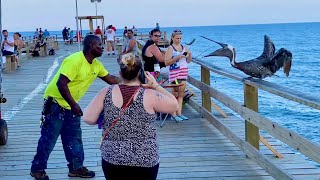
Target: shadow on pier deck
x,y
192,149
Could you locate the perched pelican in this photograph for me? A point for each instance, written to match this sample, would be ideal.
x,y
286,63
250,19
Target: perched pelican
x,y
263,66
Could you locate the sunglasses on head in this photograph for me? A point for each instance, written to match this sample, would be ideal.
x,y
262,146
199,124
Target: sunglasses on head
x,y
177,31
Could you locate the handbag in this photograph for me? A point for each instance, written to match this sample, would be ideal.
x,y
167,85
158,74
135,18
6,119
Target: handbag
x,y
114,122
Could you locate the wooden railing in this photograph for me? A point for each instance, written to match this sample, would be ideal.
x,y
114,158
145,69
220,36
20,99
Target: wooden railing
x,y
253,120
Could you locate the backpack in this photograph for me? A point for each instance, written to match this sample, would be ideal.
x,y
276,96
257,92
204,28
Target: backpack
x,y
35,54
51,52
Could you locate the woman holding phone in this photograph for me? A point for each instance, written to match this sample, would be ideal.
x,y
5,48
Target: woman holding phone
x,y
129,148
177,57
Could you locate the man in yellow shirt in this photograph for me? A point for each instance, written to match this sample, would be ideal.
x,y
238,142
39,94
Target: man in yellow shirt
x,y
61,112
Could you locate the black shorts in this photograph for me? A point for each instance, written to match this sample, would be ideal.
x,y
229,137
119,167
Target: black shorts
x,y
115,172
7,53
65,37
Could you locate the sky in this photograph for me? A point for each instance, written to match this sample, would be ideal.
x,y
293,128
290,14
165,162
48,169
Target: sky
x,y
27,15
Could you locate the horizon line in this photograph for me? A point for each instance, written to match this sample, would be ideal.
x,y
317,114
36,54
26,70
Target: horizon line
x,y
218,25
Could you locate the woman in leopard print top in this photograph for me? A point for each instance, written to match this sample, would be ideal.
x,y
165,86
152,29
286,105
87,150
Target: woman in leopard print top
x,y
130,150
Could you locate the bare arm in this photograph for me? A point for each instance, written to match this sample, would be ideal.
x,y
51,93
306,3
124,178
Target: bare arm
x,y
62,85
131,46
20,44
110,79
168,57
94,109
189,55
162,100
156,53
9,43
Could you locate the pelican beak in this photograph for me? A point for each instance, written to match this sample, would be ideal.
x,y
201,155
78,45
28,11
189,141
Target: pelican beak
x,y
219,52
224,51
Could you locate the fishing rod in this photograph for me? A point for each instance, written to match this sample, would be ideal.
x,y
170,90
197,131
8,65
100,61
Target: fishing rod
x,y
221,44
191,42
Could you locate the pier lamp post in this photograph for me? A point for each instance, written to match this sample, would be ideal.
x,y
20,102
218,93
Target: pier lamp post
x,y
78,33
96,2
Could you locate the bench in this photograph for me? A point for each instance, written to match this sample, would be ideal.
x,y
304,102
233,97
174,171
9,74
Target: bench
x,y
11,64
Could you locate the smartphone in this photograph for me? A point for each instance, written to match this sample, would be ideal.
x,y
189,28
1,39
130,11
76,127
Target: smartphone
x,y
142,77
185,53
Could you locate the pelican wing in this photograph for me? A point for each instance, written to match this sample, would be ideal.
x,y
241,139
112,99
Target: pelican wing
x,y
283,58
269,48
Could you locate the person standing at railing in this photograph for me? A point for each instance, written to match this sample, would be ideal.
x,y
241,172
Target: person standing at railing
x,y
46,34
131,46
124,34
98,32
151,53
36,34
110,37
18,44
65,35
135,30
157,26
177,57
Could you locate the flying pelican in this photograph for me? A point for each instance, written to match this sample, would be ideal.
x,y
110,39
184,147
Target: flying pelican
x,y
263,66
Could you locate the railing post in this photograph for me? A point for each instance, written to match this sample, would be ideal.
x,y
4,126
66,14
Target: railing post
x,y
251,102
165,35
205,78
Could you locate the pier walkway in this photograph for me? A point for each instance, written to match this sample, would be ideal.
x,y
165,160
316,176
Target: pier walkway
x,y
192,149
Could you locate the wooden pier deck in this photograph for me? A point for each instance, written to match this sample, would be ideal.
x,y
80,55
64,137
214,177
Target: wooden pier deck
x,y
192,149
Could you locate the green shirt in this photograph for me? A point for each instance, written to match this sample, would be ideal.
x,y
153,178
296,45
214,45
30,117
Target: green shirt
x,y
81,75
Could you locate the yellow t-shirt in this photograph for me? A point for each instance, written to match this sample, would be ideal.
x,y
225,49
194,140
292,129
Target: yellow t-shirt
x,y
81,75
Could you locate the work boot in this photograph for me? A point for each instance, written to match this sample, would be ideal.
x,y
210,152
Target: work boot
x,y
40,175
82,172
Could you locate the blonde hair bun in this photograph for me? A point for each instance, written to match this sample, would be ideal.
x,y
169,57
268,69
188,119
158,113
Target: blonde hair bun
x,y
128,59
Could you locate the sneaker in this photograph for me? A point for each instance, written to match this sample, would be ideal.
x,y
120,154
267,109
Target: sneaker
x,y
82,172
176,118
183,117
40,175
108,54
113,53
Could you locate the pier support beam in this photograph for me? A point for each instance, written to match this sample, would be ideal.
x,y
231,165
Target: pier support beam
x,y
206,99
251,101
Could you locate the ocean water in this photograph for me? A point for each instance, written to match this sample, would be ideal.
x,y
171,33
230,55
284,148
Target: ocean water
x,y
302,39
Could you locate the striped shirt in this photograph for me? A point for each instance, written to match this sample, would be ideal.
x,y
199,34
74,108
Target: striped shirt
x,y
179,69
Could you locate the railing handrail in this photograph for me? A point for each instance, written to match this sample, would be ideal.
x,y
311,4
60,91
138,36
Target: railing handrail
x,y
289,137
272,88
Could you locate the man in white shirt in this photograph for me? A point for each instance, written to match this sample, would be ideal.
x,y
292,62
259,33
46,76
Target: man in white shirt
x,y
7,46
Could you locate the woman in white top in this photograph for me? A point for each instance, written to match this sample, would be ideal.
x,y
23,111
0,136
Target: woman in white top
x,y
177,57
